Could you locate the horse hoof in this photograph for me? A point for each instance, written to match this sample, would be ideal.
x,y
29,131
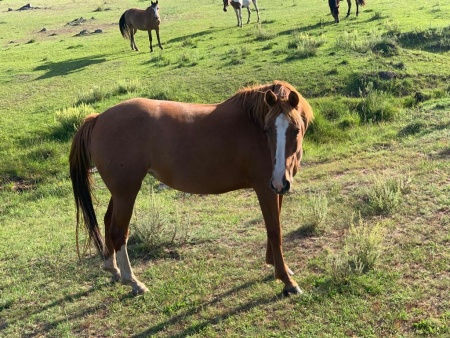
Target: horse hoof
x,y
139,290
295,290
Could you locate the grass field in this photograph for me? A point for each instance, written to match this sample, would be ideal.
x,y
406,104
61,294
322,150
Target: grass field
x,y
366,227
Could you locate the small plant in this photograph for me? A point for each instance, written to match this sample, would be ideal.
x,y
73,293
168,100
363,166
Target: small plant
x,y
68,120
96,94
158,225
262,34
315,222
386,194
125,87
304,46
361,252
376,105
358,42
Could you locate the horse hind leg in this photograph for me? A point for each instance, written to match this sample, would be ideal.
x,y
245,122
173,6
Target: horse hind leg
x,y
110,264
238,16
119,230
132,41
249,12
256,8
157,36
349,2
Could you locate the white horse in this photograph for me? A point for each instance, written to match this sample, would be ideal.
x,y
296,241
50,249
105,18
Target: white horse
x,y
238,5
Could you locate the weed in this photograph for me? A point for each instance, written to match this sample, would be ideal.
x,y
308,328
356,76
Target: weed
x,y
361,252
95,94
315,222
262,34
357,42
303,46
386,194
158,225
68,120
125,87
376,106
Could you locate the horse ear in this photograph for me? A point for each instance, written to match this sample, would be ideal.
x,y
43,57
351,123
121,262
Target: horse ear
x,y
270,98
293,99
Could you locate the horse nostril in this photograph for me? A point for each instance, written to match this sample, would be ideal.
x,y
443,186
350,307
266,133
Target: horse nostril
x,y
224,9
287,186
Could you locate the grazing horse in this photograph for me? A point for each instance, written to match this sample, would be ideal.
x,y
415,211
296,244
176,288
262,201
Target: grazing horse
x,y
144,20
238,5
251,140
334,7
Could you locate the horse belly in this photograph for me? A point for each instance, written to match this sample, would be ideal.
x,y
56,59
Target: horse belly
x,y
198,170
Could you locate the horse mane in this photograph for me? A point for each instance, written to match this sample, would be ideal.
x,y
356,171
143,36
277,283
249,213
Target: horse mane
x,y
253,98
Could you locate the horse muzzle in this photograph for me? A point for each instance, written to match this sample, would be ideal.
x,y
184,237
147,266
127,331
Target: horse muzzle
x,y
281,189
224,9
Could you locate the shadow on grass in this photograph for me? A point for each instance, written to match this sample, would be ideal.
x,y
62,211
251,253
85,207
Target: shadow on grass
x,y
195,328
67,67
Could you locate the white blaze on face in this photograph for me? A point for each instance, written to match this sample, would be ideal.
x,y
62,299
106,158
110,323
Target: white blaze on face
x,y
281,126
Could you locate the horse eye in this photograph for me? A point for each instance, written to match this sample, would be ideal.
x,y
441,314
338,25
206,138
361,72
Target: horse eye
x,y
266,131
296,131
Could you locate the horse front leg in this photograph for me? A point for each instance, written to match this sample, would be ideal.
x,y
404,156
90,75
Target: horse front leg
x,y
110,264
157,36
249,12
121,216
256,8
270,206
150,39
269,252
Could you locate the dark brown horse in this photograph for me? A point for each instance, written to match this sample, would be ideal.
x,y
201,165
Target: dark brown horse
x,y
144,20
334,7
251,140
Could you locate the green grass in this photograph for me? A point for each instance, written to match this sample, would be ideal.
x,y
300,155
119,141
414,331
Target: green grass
x,y
379,147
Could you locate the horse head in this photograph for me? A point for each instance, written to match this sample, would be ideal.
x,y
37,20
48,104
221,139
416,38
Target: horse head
x,y
334,8
154,10
285,126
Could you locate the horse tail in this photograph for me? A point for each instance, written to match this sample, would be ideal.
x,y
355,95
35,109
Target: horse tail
x,y
361,2
124,29
80,164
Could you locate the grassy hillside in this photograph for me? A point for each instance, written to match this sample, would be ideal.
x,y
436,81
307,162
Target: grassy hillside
x,y
367,224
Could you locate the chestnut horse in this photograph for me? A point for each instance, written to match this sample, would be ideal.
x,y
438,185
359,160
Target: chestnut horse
x,y
334,8
251,140
238,5
145,20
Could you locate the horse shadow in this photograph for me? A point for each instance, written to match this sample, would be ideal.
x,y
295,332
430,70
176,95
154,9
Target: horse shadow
x,y
66,67
188,331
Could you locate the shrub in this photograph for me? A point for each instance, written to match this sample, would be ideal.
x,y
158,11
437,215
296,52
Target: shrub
x,y
68,120
95,94
376,106
386,194
125,87
360,253
262,34
358,42
303,46
158,225
315,221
